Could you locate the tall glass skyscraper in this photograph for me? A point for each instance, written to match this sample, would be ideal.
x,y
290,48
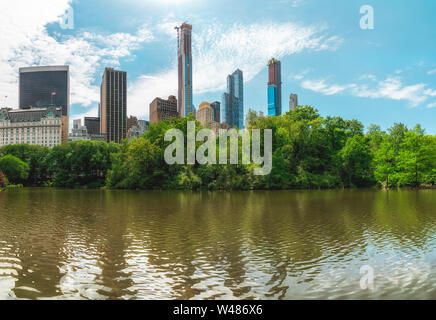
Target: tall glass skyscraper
x,y
41,87
274,88
216,106
184,36
233,101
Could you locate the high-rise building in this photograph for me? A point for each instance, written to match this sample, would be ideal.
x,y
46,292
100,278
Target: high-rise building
x,y
113,105
132,122
161,109
216,106
42,87
34,126
184,45
78,132
233,101
293,101
205,114
274,88
92,125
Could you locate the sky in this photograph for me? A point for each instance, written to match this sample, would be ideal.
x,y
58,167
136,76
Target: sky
x,y
383,75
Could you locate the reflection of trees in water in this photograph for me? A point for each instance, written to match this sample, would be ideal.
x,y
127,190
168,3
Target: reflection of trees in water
x,y
190,239
406,216
206,244
36,232
113,210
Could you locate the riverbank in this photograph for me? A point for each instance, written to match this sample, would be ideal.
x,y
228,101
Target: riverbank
x,y
11,187
308,152
425,187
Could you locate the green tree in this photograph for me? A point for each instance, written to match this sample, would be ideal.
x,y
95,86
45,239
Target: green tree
x,y
16,171
356,162
416,158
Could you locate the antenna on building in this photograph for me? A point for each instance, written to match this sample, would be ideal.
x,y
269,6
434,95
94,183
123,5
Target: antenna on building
x,y
178,39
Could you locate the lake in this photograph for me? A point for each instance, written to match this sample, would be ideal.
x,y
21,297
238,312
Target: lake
x,y
96,244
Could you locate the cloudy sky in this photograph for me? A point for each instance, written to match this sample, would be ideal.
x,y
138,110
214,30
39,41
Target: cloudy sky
x,y
381,76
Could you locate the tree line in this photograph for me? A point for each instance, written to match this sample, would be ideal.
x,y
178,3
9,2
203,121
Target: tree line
x,y
309,152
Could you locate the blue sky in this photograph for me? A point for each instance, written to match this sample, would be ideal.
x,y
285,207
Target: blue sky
x,y
381,76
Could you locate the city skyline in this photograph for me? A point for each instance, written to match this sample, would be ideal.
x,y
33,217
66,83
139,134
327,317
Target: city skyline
x,y
330,62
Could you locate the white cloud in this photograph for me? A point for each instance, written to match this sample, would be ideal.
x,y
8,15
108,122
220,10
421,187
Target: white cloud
x,y
220,50
391,88
321,87
26,42
143,91
217,51
431,71
302,74
430,92
431,105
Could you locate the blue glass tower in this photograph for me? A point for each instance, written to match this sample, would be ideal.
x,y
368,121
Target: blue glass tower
x,y
233,101
274,88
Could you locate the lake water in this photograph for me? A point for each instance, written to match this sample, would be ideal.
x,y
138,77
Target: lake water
x,y
93,244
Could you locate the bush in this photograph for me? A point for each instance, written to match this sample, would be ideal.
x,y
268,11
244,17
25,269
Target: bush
x,y
16,170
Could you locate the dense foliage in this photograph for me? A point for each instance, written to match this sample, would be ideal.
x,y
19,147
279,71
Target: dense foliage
x,y
309,152
16,170
74,164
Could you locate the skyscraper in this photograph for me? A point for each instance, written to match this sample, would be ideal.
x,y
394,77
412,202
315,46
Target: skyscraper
x,y
293,101
274,88
216,106
205,114
41,87
233,101
92,125
113,105
184,36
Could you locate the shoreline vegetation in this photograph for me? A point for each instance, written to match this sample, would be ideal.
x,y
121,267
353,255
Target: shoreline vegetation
x,y
309,152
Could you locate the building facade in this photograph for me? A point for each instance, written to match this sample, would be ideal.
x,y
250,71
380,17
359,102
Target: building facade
x,y
34,126
274,88
205,114
92,125
42,87
132,122
293,101
161,109
233,101
78,132
216,127
184,45
216,106
138,130
113,105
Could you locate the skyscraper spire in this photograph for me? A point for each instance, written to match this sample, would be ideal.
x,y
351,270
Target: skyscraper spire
x,y
184,54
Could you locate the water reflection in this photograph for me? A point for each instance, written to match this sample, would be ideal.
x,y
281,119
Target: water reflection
x,y
90,244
